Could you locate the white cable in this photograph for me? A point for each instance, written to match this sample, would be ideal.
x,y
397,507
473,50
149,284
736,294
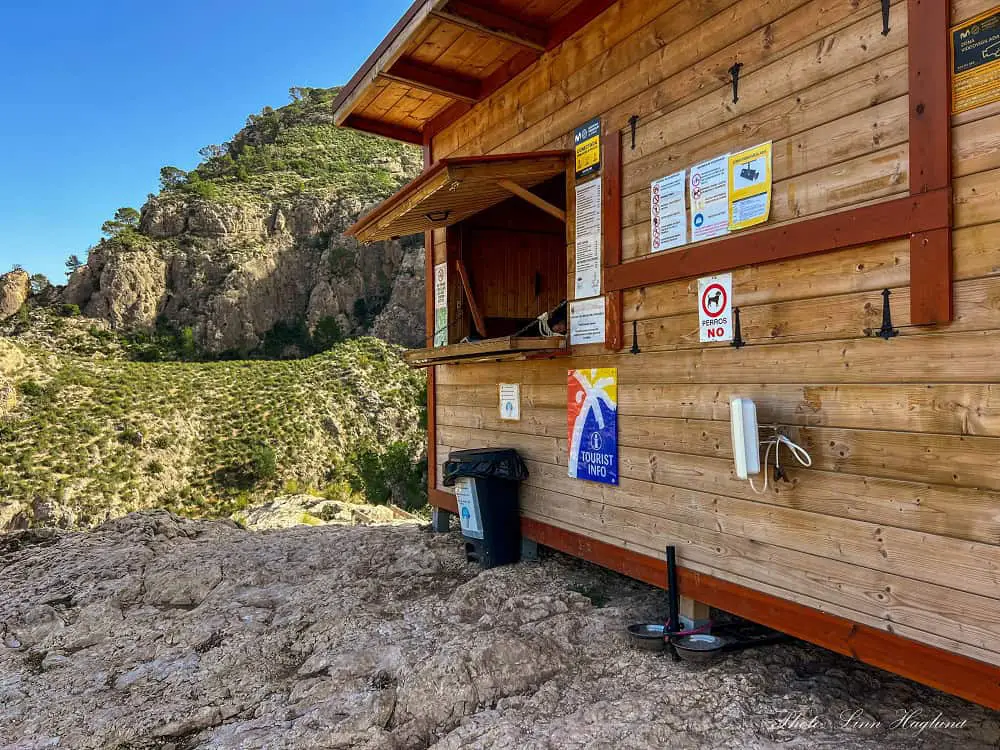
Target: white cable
x,y
801,455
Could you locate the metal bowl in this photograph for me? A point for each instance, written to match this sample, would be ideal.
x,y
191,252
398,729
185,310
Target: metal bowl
x,y
647,636
700,648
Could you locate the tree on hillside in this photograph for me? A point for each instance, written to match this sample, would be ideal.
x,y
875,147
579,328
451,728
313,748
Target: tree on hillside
x,y
39,283
72,264
172,177
125,218
213,151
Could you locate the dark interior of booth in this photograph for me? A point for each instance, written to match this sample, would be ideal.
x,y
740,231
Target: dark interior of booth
x,y
514,256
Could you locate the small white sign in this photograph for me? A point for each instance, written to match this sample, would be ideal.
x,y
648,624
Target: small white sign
x,y
715,308
441,304
586,321
588,239
709,186
668,215
510,401
468,507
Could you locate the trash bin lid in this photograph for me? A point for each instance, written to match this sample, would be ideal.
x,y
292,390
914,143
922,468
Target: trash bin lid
x,y
484,463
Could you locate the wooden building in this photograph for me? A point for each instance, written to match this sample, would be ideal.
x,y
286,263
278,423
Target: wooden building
x,y
884,175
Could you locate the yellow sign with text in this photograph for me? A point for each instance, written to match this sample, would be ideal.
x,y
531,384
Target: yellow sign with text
x,y
975,62
750,187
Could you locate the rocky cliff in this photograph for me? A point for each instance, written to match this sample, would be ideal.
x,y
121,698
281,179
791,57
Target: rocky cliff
x,y
252,239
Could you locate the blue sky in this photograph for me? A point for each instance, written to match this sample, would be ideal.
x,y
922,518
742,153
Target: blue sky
x,y
97,96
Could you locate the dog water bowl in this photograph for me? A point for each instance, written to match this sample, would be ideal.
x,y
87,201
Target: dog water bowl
x,y
647,636
698,648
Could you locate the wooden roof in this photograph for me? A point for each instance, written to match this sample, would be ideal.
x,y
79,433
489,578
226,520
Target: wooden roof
x,y
455,189
443,56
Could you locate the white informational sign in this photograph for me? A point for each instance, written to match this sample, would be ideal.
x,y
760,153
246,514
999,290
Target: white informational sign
x,y
715,308
586,321
468,507
709,187
750,187
668,214
441,304
510,401
588,239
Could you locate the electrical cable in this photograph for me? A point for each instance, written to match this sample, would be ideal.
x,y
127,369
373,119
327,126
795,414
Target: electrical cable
x,y
798,452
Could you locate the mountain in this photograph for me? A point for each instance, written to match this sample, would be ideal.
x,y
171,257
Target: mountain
x,y
248,246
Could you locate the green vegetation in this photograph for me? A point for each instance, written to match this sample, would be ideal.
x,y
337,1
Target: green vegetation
x,y
291,151
101,435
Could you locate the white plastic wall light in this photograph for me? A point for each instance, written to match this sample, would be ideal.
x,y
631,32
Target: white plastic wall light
x,y
746,438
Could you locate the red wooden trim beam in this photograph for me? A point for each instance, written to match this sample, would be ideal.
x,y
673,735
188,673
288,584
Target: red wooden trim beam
x,y
968,678
859,226
930,156
611,202
431,371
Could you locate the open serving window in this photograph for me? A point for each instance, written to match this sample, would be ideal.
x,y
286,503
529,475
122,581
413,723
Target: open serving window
x,y
500,287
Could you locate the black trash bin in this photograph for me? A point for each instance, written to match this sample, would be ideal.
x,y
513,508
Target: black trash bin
x,y
486,483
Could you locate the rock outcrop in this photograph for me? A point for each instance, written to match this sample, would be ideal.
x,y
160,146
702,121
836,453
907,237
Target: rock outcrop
x,y
156,632
254,239
15,287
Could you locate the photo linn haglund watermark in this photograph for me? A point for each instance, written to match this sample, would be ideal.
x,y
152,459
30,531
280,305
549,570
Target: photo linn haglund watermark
x,y
913,720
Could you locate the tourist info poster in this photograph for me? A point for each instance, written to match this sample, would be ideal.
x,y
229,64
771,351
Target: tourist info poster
x,y
592,416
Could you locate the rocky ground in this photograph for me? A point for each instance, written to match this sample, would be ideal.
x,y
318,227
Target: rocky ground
x,y
157,632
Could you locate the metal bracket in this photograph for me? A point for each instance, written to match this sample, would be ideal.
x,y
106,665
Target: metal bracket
x,y
738,341
633,121
635,337
885,17
886,331
735,73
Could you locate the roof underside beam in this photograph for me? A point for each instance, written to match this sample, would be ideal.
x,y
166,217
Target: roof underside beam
x,y
397,132
489,22
445,83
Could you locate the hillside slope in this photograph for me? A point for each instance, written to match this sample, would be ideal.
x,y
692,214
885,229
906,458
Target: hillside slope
x,y
90,435
251,240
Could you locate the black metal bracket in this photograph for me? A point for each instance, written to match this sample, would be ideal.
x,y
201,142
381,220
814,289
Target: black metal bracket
x,y
886,331
738,341
885,17
735,73
633,122
635,337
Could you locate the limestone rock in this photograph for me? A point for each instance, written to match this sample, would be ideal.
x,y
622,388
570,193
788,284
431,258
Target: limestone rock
x,y
154,632
15,287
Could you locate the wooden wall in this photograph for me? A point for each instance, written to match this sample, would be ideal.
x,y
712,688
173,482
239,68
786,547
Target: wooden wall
x,y
897,523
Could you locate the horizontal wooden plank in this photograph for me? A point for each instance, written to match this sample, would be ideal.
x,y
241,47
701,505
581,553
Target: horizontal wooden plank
x,y
898,593
934,358
947,408
952,460
977,198
799,616
976,308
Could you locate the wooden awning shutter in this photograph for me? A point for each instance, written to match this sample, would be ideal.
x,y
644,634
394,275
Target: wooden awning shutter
x,y
455,189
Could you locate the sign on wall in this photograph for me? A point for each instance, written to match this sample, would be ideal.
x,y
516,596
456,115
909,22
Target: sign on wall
x,y
592,417
510,402
668,212
975,57
715,308
588,239
709,188
587,320
587,141
750,187
441,304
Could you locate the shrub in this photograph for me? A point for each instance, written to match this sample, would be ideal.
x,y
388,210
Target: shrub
x,y
31,389
154,467
392,476
327,334
69,311
130,435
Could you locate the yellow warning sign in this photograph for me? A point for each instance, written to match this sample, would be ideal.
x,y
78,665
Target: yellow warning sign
x,y
587,140
975,62
750,187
